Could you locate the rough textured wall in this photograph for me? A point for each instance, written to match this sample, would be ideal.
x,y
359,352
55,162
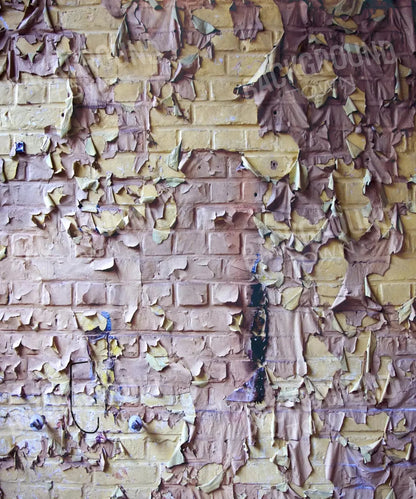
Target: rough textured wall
x,y
207,249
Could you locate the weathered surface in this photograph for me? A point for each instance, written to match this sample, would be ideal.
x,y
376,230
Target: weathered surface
x,y
207,249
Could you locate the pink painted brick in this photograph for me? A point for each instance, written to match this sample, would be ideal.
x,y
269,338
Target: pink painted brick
x,y
191,293
224,243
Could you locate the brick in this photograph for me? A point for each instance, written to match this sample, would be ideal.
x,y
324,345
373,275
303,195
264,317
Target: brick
x,y
6,93
25,292
34,93
134,445
238,269
400,269
205,268
259,471
141,65
396,193
243,64
64,491
206,166
130,344
128,91
4,293
214,67
262,43
395,293
186,217
190,243
350,192
219,17
331,269
195,139
122,294
201,90
356,222
90,293
27,194
327,292
92,246
226,41
160,449
224,293
189,293
200,275
231,140
222,89
122,166
162,119
33,143
225,192
241,113
160,293
38,170
188,346
251,243
224,243
152,248
5,144
84,17
128,473
34,117
29,490
224,217
271,18
97,43
253,191
57,293
266,143
192,193
166,140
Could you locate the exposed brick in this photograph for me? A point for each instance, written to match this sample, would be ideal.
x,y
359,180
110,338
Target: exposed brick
x,y
152,248
90,293
201,275
226,41
122,294
6,93
190,243
128,91
34,117
25,292
223,90
129,473
224,243
215,67
232,140
395,293
228,114
4,293
262,43
251,243
189,293
193,139
243,64
88,16
31,93
225,192
57,293
160,293
193,192
225,293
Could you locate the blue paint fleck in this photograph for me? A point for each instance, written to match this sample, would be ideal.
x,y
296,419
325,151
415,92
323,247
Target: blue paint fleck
x,y
107,316
254,267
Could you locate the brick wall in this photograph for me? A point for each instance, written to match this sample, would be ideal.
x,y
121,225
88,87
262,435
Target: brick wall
x,y
154,266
